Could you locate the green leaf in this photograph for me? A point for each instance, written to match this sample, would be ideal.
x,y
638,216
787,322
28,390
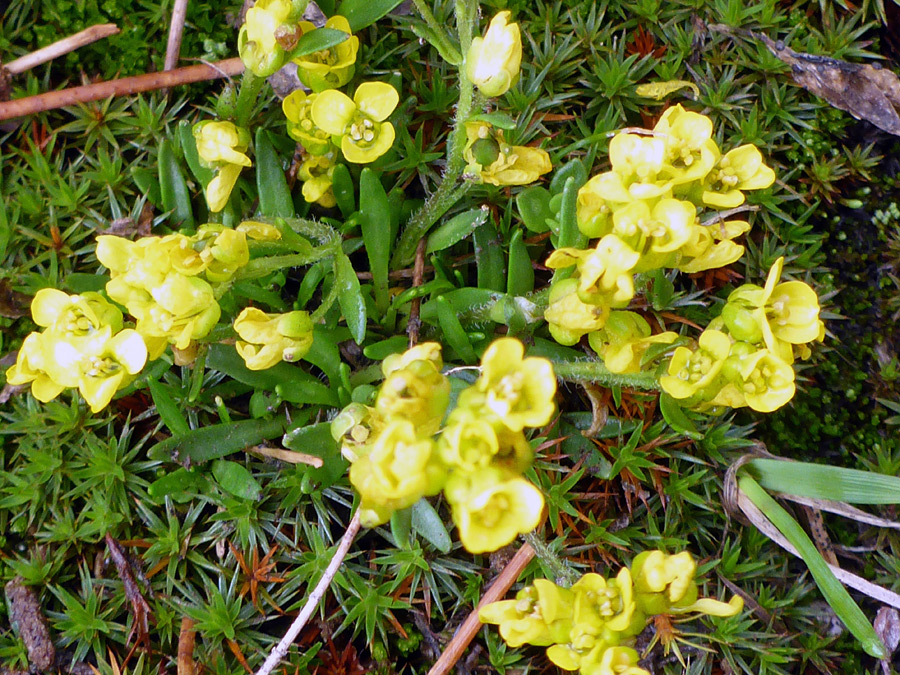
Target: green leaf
x,y
569,234
490,262
168,410
835,593
172,186
350,296
453,331
379,351
148,183
497,119
344,193
375,223
675,417
289,381
401,525
573,169
316,440
427,522
236,479
520,280
362,13
206,443
318,40
271,185
534,208
180,485
821,481
455,230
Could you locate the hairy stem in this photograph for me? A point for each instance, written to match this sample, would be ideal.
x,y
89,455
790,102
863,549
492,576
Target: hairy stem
x,y
562,574
595,371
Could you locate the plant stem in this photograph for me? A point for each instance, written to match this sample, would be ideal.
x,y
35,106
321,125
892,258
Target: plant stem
x,y
262,266
447,193
595,371
281,649
249,90
439,33
562,575
327,302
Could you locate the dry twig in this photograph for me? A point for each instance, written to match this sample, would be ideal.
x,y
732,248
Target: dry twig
x,y
61,47
176,30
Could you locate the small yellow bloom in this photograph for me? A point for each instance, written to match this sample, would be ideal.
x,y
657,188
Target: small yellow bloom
x,y
624,339
356,427
395,473
257,41
221,145
74,315
691,372
655,233
661,580
180,309
330,68
639,161
491,509
602,604
493,62
316,173
359,123
690,150
112,368
618,660
741,169
597,200
32,367
418,393
258,231
490,159
297,108
267,339
568,316
765,381
606,273
540,615
518,391
424,351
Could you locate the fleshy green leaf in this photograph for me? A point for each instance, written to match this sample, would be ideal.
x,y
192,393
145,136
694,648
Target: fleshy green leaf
x,y
350,296
271,185
821,481
362,13
427,522
455,230
236,479
206,443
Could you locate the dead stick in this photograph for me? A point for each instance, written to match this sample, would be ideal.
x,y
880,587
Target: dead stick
x,y
176,30
120,87
470,626
281,649
61,47
414,323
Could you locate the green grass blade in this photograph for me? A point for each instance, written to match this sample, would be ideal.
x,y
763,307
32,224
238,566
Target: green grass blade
x,y
820,481
835,594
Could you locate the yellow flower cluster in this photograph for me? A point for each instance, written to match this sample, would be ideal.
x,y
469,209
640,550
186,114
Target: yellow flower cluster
x,y
82,346
401,448
644,214
591,626
744,357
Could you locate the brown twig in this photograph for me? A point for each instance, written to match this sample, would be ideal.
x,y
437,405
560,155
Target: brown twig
x,y
281,649
61,47
140,627
176,30
186,639
120,87
415,323
470,626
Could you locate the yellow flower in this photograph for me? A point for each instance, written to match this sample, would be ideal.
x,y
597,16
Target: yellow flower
x,y
661,580
490,159
360,123
74,315
493,62
111,368
690,372
540,615
518,391
221,145
617,660
490,508
418,392
605,272
711,246
786,313
330,68
658,233
180,309
258,231
316,173
468,442
224,251
638,160
356,427
597,200
623,341
741,169
424,351
267,339
32,366
602,604
395,473
297,108
690,151
765,381
257,41
568,316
